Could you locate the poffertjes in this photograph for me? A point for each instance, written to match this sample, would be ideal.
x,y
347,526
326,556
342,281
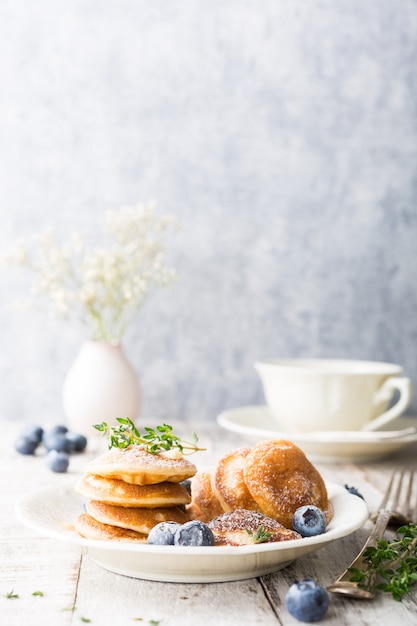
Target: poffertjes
x,y
228,482
205,505
274,478
90,528
137,466
238,528
280,479
138,519
120,493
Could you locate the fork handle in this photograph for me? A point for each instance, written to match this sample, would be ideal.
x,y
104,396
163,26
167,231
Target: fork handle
x,y
377,533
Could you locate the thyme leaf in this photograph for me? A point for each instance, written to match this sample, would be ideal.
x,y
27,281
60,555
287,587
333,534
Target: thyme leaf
x,y
391,565
155,440
261,535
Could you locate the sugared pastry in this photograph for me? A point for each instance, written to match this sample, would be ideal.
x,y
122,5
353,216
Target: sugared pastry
x,y
139,520
88,527
118,492
280,479
228,482
203,498
136,466
232,528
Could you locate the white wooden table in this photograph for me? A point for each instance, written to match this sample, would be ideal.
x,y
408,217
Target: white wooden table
x,y
67,579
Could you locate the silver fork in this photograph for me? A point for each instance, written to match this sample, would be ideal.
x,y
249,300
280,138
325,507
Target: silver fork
x,y
395,508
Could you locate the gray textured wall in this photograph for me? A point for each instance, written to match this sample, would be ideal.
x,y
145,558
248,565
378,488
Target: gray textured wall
x,y
282,133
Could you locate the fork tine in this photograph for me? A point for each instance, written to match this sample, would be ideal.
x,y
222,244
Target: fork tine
x,y
392,494
410,512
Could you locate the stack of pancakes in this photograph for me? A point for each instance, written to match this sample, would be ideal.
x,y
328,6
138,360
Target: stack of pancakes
x,y
273,478
129,491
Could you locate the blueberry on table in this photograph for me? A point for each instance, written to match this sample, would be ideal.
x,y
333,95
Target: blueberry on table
x,y
77,441
26,445
194,533
58,429
309,521
307,601
56,441
32,430
57,461
163,534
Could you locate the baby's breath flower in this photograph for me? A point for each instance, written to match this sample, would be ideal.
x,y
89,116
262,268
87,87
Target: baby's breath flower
x,y
101,286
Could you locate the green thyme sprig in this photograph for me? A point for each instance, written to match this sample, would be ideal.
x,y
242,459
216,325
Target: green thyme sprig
x,y
391,564
261,535
156,440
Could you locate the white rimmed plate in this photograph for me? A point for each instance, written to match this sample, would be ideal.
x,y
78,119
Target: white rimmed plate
x,y
51,511
256,423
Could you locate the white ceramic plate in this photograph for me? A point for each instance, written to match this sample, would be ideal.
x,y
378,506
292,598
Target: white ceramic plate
x,y
256,424
52,510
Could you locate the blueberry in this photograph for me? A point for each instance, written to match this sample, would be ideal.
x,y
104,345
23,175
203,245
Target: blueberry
x,y
307,601
58,429
354,491
194,533
163,534
78,442
56,441
32,430
57,461
187,485
309,521
26,445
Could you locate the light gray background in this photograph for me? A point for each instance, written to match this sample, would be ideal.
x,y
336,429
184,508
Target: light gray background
x,y
283,133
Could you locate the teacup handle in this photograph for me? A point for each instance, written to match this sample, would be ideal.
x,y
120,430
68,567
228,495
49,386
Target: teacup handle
x,y
385,393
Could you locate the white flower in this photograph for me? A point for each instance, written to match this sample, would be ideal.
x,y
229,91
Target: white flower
x,y
101,286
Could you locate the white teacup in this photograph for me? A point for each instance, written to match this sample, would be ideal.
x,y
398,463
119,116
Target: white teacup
x,y
325,394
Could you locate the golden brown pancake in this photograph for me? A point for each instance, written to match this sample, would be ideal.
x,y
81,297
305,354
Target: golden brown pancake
x,y
139,520
136,466
118,492
280,479
232,528
228,482
203,497
88,527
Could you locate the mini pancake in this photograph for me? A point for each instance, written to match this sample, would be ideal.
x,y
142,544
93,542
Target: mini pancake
x,y
232,528
118,492
88,527
203,497
280,479
139,520
195,513
136,466
228,482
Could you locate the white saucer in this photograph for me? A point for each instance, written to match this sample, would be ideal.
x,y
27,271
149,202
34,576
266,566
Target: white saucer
x,y
51,511
256,423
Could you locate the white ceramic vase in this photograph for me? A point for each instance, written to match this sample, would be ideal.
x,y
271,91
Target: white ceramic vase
x,y
100,386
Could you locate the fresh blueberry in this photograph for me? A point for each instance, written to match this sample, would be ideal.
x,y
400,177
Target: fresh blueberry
x,y
309,521
77,441
307,601
32,430
163,534
26,445
194,533
354,491
187,485
58,429
57,461
56,441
